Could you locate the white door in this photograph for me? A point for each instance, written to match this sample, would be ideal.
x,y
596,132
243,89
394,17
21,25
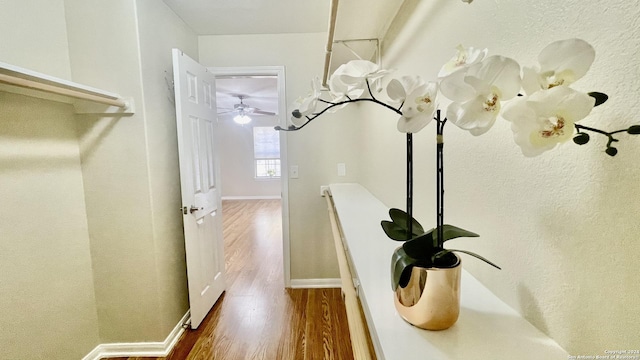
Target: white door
x,y
199,178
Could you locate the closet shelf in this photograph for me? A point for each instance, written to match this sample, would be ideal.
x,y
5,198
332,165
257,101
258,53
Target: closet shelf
x,y
85,99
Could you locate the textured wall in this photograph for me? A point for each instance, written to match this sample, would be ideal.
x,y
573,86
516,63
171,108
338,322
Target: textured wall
x,y
130,166
562,225
47,303
36,36
160,30
105,54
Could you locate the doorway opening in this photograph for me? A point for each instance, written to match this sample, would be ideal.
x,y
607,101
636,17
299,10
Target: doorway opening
x,y
253,156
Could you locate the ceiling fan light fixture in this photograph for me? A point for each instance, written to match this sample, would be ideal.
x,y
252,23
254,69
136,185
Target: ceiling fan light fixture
x,y
242,119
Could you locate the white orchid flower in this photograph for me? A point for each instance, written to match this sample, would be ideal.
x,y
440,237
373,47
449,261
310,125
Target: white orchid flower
x,y
418,109
477,93
357,71
350,79
560,63
305,106
464,58
546,118
419,102
341,91
398,89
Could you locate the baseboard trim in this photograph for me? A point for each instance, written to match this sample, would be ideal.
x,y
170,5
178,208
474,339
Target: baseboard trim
x,y
155,349
266,197
315,283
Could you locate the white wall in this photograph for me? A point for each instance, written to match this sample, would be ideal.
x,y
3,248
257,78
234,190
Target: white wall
x,y
105,54
316,151
160,30
563,225
130,165
47,293
35,36
47,302
237,164
92,249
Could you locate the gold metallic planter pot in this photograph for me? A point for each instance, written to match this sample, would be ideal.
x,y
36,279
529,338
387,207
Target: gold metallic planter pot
x,y
431,299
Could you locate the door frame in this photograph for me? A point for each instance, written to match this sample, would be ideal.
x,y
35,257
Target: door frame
x,y
279,72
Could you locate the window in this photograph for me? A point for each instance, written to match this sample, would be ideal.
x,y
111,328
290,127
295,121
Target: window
x,y
266,152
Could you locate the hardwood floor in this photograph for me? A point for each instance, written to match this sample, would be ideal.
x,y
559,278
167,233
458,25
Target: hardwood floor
x,y
256,318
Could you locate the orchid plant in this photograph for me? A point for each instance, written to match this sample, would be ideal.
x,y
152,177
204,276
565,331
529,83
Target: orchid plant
x,y
538,101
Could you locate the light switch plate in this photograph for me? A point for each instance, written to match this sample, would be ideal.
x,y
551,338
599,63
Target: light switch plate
x,y
293,171
342,169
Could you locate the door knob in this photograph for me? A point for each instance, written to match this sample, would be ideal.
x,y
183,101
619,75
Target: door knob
x,y
191,210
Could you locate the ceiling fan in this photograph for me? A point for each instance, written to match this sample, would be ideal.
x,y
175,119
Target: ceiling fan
x,y
243,110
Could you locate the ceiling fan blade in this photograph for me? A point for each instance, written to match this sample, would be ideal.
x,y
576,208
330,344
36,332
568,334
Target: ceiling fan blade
x,y
260,112
226,112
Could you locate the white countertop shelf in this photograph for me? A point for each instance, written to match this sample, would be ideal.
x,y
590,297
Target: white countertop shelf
x,y
486,329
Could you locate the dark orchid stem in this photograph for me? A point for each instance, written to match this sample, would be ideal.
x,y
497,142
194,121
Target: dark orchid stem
x,y
316,115
439,179
410,185
606,133
326,102
370,92
583,139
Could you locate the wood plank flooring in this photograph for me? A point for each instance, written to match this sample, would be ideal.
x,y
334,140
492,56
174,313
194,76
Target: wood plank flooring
x,y
256,318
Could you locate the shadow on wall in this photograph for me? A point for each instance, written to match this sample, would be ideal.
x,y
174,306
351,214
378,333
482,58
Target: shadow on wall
x,y
531,309
47,142
594,237
413,13
91,132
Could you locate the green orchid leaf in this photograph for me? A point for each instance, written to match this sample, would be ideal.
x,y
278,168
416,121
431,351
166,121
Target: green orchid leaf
x,y
601,98
421,247
394,231
400,217
451,232
476,256
401,266
634,130
445,259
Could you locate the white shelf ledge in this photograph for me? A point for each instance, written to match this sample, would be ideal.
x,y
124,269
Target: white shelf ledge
x,y
85,99
487,329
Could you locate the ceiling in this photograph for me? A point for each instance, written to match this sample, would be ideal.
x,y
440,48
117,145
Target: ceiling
x,y
356,20
233,17
260,92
